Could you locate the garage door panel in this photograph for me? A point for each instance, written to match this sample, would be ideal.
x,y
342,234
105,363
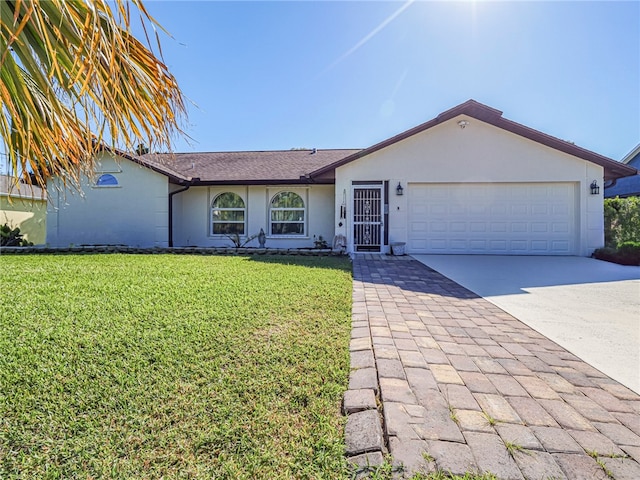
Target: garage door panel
x,y
437,245
436,210
538,209
459,245
539,245
478,210
421,244
419,227
419,210
498,210
519,209
437,227
479,245
518,246
513,218
560,246
498,245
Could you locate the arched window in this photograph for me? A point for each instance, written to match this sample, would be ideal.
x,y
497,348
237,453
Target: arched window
x,y
228,214
107,180
287,212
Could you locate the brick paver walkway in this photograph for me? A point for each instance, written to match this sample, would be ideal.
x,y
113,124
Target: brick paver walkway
x,y
465,387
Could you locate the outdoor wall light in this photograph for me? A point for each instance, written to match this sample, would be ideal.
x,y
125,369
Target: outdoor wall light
x,y
463,123
399,189
595,189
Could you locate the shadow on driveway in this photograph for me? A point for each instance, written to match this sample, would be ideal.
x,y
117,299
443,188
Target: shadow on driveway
x,y
588,306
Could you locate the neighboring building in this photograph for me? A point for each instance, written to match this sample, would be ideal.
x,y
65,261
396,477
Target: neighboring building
x,y
627,186
470,181
25,207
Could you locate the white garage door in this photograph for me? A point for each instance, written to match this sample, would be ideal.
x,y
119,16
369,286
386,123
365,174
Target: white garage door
x,y
489,218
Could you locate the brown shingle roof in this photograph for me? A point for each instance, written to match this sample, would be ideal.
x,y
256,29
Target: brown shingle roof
x,y
262,167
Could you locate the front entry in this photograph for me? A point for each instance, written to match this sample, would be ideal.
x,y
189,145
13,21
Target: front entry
x,y
368,218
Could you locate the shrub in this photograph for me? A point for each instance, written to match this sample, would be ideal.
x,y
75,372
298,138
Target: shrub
x,y
621,220
11,237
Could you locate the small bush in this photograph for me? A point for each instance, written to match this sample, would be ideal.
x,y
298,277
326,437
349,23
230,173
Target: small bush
x,y
11,237
320,242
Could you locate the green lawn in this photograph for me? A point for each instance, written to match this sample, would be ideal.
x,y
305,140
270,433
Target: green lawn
x,y
150,366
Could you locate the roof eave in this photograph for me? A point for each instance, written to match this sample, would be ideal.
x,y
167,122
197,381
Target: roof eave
x,y
631,155
280,181
484,113
174,177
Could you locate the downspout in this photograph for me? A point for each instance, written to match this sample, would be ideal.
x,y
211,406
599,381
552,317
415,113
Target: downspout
x,y
184,189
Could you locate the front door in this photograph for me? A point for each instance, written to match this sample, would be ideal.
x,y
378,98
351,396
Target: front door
x,y
367,218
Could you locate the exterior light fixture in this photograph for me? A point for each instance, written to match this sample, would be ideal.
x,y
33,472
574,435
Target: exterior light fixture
x,y
399,189
463,123
595,189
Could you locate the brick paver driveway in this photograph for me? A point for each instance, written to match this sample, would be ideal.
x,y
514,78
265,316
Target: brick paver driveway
x,y
465,387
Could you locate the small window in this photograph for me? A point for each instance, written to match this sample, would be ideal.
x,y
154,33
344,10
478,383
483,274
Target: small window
x,y
228,214
287,213
107,180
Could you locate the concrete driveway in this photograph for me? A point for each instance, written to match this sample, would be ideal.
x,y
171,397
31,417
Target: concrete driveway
x,y
589,307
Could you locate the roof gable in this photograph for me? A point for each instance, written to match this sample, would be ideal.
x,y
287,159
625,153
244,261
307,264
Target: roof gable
x,y
489,115
633,157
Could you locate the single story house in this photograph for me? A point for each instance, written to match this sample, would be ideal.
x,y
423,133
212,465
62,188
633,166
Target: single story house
x,y
25,207
627,186
467,181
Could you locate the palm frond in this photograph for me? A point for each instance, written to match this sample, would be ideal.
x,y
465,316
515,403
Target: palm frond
x,y
72,76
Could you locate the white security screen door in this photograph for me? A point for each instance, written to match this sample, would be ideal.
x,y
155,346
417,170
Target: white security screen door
x,y
367,218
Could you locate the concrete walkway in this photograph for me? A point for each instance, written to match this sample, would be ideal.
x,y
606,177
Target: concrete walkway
x,y
444,380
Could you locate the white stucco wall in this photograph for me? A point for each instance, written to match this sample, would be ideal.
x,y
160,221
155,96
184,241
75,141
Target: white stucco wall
x,y
479,153
192,215
134,213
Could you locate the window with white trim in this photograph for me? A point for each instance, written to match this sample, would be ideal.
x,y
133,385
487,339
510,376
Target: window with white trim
x,y
228,214
287,213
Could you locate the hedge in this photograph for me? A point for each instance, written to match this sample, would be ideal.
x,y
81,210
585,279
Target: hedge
x,y
621,221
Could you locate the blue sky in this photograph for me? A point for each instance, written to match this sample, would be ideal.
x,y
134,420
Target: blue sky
x,y
327,74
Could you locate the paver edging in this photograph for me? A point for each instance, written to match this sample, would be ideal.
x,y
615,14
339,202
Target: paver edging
x,y
365,435
364,432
